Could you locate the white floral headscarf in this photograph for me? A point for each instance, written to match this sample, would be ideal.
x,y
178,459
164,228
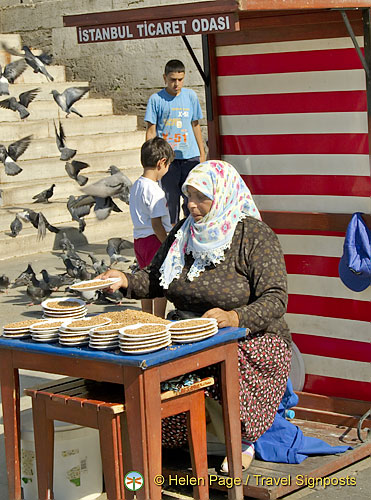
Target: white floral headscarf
x,y
208,239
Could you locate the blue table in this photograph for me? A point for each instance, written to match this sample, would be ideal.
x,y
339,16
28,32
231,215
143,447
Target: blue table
x,y
141,376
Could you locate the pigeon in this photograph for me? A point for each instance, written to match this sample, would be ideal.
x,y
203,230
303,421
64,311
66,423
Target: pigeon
x,y
71,269
56,281
11,71
104,206
16,226
113,250
22,104
66,153
73,170
68,97
99,265
44,196
39,222
115,297
4,283
117,185
78,212
24,278
65,243
14,151
71,254
37,290
38,63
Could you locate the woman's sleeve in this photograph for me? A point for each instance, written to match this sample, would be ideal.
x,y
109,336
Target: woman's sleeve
x,y
263,263
145,284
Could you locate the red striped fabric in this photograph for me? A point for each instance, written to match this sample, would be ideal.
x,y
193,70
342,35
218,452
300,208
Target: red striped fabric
x,y
330,307
305,102
325,185
337,387
333,348
312,265
289,62
295,144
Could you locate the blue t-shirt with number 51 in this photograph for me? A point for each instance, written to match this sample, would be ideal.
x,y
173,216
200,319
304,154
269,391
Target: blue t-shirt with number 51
x,y
173,117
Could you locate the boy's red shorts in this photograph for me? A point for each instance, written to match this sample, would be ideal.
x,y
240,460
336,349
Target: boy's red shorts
x,y
145,249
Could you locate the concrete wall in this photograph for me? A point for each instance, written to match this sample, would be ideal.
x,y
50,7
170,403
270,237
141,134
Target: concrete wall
x,y
127,71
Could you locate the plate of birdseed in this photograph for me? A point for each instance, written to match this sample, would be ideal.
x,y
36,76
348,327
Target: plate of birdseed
x,y
19,329
95,284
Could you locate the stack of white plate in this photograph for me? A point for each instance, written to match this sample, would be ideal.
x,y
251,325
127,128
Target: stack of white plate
x,y
19,330
144,337
192,330
105,337
46,330
63,307
75,332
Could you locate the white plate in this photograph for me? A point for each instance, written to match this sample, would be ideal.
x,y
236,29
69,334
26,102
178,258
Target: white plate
x,y
126,330
138,345
104,348
48,304
53,339
189,341
108,329
51,313
16,336
10,332
197,335
20,328
85,320
142,338
103,343
75,344
203,323
49,322
103,338
66,316
142,351
95,285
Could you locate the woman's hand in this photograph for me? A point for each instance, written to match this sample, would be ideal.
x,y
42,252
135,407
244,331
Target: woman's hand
x,y
224,318
114,273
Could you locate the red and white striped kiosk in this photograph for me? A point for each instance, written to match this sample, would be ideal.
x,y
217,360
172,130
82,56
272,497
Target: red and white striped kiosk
x,y
288,87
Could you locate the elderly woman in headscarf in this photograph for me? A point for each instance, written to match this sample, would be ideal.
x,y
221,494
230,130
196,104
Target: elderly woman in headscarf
x,y
223,262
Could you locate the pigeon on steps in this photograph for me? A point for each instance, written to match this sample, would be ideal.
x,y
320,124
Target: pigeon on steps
x,y
73,170
45,195
66,153
68,97
16,226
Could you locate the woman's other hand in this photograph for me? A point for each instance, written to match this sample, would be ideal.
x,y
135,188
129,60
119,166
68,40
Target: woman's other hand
x,y
224,318
114,273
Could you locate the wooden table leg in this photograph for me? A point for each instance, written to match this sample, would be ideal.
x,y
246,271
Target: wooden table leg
x,y
10,400
231,415
152,402
134,432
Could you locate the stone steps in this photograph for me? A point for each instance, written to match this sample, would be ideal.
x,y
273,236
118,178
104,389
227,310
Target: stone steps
x,y
47,110
98,143
20,193
26,243
45,89
100,138
34,170
90,125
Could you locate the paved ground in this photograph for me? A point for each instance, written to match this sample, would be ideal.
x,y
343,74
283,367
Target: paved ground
x,y
13,307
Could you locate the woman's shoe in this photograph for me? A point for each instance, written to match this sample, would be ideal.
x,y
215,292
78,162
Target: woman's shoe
x,y
247,457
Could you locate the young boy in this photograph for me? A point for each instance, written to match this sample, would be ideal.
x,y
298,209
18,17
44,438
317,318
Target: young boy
x,y
174,114
149,212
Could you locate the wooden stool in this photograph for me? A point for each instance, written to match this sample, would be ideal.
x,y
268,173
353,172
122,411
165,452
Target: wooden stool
x,y
97,405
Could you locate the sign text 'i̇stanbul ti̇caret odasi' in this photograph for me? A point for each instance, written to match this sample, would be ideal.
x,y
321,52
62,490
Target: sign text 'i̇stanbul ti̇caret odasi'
x,y
153,29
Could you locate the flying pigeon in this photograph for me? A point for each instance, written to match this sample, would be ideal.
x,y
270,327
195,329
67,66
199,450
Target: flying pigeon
x,y
68,97
117,185
14,151
24,100
78,212
11,71
66,153
44,196
73,170
113,250
16,226
37,63
39,222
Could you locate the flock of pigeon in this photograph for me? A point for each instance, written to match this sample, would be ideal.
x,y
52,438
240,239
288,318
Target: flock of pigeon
x,y
77,269
99,195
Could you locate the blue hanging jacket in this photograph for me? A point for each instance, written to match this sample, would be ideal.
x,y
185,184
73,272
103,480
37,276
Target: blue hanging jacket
x,y
284,442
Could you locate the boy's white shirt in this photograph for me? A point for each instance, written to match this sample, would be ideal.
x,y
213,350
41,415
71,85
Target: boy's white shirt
x,y
147,201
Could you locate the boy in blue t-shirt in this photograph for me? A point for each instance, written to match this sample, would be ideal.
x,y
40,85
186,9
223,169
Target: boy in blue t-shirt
x,y
174,114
